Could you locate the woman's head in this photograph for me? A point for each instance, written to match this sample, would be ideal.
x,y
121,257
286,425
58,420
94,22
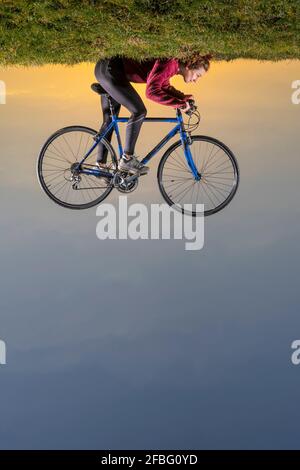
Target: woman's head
x,y
194,67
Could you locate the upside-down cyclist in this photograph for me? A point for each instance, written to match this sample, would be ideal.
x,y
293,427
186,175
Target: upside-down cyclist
x,y
115,75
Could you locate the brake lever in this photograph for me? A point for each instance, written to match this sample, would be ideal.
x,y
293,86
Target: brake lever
x,y
193,107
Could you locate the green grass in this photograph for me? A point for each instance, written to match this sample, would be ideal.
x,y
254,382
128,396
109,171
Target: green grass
x,y
72,31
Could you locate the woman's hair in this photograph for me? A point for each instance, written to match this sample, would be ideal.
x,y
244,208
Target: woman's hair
x,y
195,61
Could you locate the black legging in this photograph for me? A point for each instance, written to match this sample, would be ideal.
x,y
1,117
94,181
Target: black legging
x,y
111,75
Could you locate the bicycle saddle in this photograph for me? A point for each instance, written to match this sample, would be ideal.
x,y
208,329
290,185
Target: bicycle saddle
x,y
97,88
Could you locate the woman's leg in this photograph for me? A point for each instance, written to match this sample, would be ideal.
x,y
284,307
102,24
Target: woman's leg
x,y
110,73
101,149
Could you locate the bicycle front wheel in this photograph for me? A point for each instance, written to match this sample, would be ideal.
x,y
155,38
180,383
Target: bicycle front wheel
x,y
62,150
218,171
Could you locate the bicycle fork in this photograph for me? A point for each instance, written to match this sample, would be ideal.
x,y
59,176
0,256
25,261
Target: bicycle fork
x,y
186,143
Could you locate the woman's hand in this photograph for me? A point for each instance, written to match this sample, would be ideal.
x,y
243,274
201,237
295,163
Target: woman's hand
x,y
188,106
187,99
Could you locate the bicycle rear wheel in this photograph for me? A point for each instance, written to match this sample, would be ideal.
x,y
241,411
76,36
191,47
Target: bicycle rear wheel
x,y
218,170
54,168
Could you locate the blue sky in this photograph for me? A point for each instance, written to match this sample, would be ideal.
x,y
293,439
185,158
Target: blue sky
x,y
141,344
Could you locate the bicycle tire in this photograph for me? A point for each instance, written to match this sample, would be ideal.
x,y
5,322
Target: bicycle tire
x,y
227,151
41,177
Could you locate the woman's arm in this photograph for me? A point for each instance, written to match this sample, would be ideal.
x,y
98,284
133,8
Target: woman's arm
x,y
158,84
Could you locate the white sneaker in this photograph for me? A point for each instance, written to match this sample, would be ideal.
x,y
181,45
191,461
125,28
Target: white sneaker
x,y
132,165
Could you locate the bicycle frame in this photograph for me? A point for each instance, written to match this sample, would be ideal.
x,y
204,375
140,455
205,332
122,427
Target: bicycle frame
x,y
179,128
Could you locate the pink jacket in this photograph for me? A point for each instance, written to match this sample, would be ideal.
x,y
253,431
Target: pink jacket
x,y
157,74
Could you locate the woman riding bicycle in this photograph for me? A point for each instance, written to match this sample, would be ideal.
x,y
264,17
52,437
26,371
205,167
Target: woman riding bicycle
x,y
115,75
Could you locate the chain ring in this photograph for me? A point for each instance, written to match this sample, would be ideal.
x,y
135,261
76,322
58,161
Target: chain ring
x,y
121,184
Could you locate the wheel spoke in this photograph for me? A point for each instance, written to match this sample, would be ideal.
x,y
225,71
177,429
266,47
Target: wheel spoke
x,y
57,176
218,176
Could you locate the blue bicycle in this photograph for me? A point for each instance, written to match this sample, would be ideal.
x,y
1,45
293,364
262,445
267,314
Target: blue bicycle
x,y
194,170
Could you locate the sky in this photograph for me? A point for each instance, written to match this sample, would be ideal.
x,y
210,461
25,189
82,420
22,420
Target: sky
x,y
126,344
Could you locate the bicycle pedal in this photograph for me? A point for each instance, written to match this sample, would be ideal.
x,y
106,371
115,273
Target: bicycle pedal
x,y
143,170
